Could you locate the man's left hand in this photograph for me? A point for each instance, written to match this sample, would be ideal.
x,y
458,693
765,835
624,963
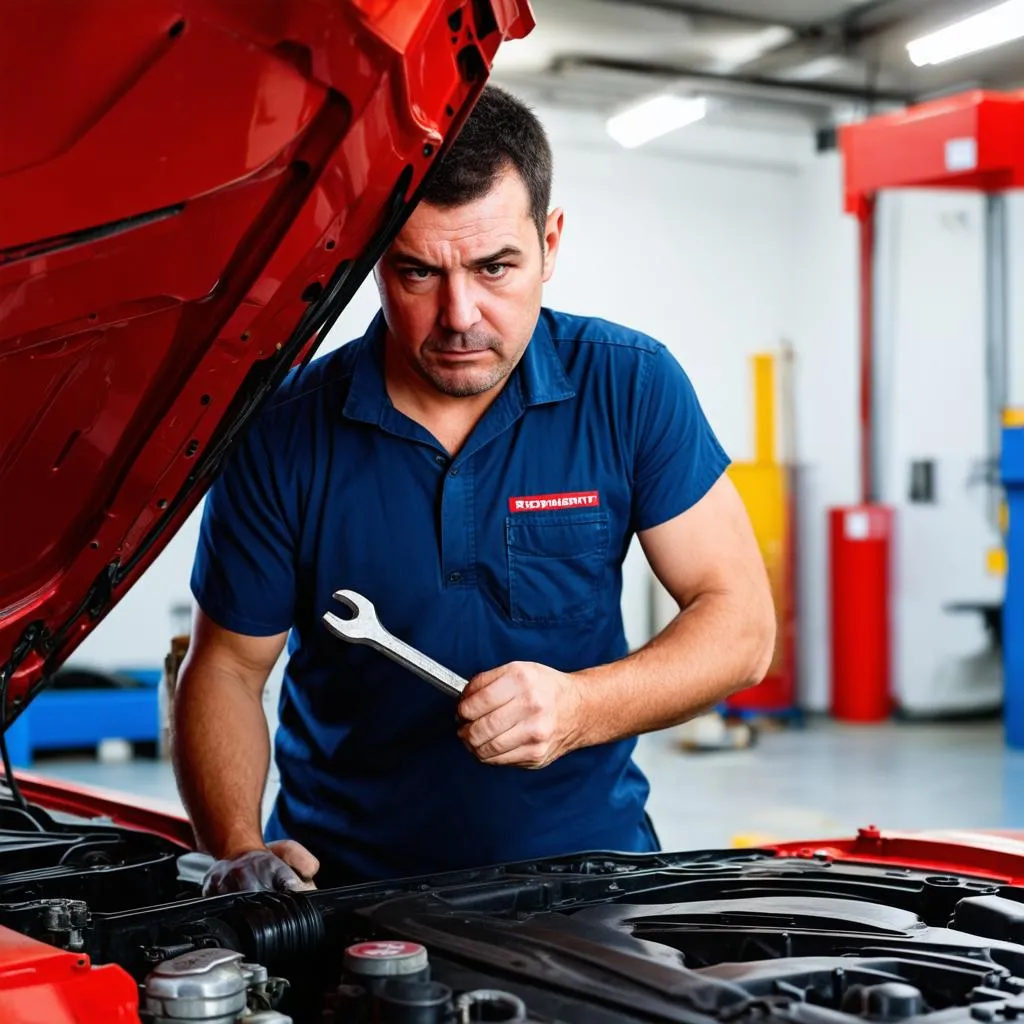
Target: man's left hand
x,y
520,714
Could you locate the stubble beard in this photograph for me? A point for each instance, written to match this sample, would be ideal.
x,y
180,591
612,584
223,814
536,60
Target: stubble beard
x,y
469,381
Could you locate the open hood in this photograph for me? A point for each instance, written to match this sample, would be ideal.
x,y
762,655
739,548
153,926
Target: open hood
x,y
190,193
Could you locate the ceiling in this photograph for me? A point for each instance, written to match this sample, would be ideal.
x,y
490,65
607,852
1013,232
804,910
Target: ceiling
x,y
790,64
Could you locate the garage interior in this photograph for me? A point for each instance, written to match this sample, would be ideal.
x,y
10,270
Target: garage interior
x,y
730,240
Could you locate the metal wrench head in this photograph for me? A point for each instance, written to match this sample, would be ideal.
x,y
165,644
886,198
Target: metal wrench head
x,y
364,623
365,628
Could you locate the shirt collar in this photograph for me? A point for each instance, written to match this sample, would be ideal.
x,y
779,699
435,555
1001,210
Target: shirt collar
x,y
540,373
368,394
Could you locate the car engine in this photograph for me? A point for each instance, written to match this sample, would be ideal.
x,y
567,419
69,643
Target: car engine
x,y
731,936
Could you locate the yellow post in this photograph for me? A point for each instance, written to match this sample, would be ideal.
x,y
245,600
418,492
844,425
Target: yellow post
x,y
764,408
762,485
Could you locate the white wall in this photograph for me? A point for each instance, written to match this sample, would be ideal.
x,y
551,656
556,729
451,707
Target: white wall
x,y
1015,216
825,369
692,241
933,352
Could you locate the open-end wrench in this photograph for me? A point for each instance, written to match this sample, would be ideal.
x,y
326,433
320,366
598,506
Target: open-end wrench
x,y
365,628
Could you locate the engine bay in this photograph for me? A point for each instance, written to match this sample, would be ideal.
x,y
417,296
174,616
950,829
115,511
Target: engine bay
x,y
735,935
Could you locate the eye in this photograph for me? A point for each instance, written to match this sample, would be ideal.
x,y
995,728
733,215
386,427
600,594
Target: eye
x,y
416,273
495,270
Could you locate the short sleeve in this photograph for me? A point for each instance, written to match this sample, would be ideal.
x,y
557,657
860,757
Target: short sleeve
x,y
677,456
243,576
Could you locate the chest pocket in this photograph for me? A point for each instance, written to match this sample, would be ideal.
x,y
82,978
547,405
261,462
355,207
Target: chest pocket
x,y
556,565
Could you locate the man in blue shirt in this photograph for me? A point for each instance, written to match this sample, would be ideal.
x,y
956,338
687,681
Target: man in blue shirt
x,y
477,466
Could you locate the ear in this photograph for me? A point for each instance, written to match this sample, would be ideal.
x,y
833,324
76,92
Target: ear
x,y
552,238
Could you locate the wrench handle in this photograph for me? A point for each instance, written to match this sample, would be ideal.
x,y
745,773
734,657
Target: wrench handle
x,y
441,678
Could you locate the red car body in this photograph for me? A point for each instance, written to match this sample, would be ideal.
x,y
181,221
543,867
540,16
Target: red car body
x,y
189,192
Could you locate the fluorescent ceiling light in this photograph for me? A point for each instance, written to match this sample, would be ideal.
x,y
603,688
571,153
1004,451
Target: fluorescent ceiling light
x,y
732,52
655,116
818,67
997,25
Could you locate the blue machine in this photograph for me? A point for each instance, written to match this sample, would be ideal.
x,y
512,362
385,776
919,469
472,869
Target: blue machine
x,y
1013,607
59,719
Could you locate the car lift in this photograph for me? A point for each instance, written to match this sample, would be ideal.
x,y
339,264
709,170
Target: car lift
x,y
971,141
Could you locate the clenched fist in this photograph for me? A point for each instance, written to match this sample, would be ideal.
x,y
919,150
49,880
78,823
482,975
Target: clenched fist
x,y
520,714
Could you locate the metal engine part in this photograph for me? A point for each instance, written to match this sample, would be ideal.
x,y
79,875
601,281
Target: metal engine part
x,y
214,986
64,921
487,1004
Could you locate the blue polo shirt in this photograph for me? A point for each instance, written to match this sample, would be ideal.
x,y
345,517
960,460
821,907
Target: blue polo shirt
x,y
511,551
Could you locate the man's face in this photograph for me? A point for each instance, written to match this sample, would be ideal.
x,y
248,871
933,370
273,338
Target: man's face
x,y
461,288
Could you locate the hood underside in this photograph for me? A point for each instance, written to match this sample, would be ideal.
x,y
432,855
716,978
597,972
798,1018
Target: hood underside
x,y
190,193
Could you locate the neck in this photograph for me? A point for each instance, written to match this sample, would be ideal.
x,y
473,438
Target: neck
x,y
448,418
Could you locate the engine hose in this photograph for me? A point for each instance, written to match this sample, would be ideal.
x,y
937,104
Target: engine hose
x,y
276,929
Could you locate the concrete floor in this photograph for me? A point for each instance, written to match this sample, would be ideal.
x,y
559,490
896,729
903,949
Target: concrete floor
x,y
809,782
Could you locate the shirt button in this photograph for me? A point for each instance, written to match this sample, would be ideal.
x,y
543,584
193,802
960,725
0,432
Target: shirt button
x,y
440,460
454,471
454,577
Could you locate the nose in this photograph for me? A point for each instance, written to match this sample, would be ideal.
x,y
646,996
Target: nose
x,y
459,312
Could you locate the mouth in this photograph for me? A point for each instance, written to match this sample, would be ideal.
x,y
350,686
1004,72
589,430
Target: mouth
x,y
460,355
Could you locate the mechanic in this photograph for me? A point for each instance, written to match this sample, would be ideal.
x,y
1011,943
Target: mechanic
x,y
476,465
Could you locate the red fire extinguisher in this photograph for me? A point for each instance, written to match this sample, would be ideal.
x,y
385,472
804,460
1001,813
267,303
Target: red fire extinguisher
x,y
860,549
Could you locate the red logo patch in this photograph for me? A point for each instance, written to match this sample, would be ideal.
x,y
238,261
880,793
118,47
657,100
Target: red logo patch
x,y
541,502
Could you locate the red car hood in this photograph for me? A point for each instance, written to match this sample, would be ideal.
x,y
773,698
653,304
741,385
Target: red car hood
x,y
992,854
190,192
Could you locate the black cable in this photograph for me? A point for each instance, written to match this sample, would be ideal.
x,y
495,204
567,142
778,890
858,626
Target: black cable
x,y
12,782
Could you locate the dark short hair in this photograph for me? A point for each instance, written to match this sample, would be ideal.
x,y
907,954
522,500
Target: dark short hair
x,y
500,132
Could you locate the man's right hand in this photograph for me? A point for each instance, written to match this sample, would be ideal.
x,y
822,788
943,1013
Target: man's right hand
x,y
281,865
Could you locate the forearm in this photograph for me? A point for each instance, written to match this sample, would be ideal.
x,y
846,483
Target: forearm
x,y
221,752
718,645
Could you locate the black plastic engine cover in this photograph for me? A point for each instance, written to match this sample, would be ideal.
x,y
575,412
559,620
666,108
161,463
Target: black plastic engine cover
x,y
730,936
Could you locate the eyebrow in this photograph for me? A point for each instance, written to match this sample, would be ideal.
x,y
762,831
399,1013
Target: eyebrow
x,y
408,260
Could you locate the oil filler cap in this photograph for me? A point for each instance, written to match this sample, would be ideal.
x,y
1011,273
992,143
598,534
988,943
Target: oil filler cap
x,y
206,984
892,1000
386,959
